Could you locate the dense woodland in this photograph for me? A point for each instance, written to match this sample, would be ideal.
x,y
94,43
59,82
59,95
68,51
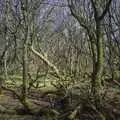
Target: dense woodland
x,y
59,59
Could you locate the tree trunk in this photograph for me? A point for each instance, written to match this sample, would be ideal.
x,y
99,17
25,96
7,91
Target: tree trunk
x,y
97,74
24,86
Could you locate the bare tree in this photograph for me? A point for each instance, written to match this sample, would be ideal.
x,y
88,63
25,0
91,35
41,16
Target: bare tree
x,y
96,37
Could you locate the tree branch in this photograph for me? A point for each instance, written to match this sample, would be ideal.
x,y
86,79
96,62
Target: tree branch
x,y
105,10
77,18
95,10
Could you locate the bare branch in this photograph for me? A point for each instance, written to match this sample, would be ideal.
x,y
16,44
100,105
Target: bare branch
x,y
105,10
95,10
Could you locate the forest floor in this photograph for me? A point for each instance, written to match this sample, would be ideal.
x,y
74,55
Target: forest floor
x,y
9,101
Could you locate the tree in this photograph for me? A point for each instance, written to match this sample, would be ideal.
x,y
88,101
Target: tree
x,y
95,37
